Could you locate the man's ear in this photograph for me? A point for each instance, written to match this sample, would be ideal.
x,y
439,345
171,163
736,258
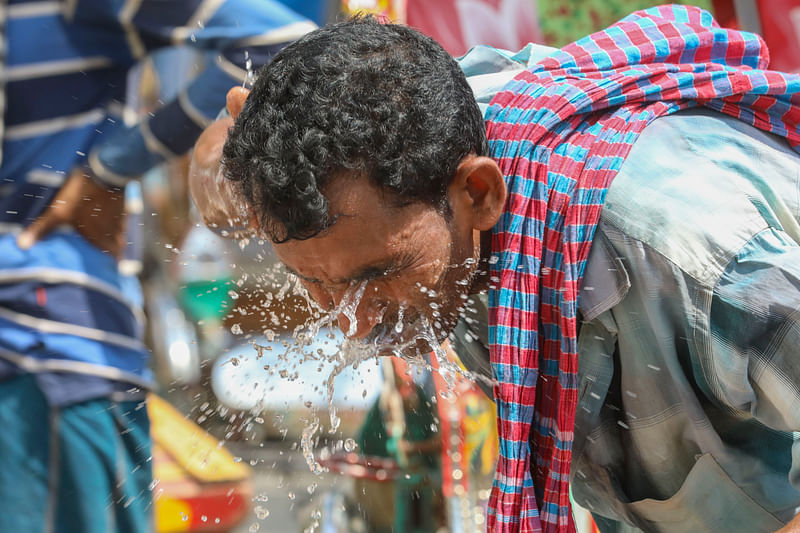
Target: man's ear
x,y
479,184
235,100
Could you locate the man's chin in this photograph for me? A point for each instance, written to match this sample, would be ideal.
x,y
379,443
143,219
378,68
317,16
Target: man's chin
x,y
413,339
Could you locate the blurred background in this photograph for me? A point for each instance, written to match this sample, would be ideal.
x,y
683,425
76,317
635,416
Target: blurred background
x,y
243,436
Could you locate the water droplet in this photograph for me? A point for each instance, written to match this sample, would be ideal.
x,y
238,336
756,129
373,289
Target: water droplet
x,y
234,295
236,329
261,512
398,328
307,446
248,64
335,420
254,527
350,445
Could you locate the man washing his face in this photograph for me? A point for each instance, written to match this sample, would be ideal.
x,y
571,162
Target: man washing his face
x,y
628,203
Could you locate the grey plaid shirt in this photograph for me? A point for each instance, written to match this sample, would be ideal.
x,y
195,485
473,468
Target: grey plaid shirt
x,y
689,350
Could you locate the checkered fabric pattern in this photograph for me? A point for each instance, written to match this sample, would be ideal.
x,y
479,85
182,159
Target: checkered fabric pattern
x,y
560,132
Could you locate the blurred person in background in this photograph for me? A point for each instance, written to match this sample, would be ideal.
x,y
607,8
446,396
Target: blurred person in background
x,y
373,171
75,444
402,425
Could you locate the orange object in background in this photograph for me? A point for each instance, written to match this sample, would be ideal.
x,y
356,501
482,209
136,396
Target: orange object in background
x,y
392,10
468,427
198,486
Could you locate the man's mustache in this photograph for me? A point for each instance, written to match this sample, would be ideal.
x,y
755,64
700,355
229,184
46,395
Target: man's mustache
x,y
413,331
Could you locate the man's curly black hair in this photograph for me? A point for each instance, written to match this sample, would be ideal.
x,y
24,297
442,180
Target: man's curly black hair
x,y
380,100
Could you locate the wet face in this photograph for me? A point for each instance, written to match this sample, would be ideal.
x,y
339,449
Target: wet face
x,y
383,266
397,260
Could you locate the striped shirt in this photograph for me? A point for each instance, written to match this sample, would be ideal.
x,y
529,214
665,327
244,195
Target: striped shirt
x,y
64,305
560,132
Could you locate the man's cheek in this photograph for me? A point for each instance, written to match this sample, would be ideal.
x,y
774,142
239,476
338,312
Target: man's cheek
x,y
406,294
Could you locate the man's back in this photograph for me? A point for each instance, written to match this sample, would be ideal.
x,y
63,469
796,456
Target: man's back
x,y
689,389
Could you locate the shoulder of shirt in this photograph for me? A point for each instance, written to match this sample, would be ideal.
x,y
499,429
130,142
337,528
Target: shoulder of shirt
x,y
692,189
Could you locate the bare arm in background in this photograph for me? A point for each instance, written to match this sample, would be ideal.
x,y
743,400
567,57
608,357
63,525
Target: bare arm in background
x,y
791,527
220,206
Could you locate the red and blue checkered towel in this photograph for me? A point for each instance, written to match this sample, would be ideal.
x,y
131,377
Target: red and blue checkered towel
x,y
560,132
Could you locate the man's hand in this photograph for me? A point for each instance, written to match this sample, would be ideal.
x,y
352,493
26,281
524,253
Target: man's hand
x,y
96,212
215,197
791,527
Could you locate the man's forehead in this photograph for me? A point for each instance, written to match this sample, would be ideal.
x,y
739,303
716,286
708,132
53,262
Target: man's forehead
x,y
368,233
356,213
352,193
355,247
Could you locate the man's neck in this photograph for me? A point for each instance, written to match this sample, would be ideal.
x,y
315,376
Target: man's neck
x,y
480,281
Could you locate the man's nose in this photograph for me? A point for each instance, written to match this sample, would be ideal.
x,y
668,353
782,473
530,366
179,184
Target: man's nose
x,y
360,320
356,319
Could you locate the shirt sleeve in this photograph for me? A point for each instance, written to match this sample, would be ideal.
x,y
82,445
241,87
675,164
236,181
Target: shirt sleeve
x,y
755,336
238,36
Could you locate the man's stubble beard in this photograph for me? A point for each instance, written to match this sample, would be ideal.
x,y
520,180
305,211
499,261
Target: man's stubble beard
x,y
451,306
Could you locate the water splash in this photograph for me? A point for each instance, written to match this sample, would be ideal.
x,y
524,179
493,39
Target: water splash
x,y
411,340
307,442
349,306
398,327
249,76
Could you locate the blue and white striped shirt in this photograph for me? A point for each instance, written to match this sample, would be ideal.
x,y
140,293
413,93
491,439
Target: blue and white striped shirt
x,y
64,305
